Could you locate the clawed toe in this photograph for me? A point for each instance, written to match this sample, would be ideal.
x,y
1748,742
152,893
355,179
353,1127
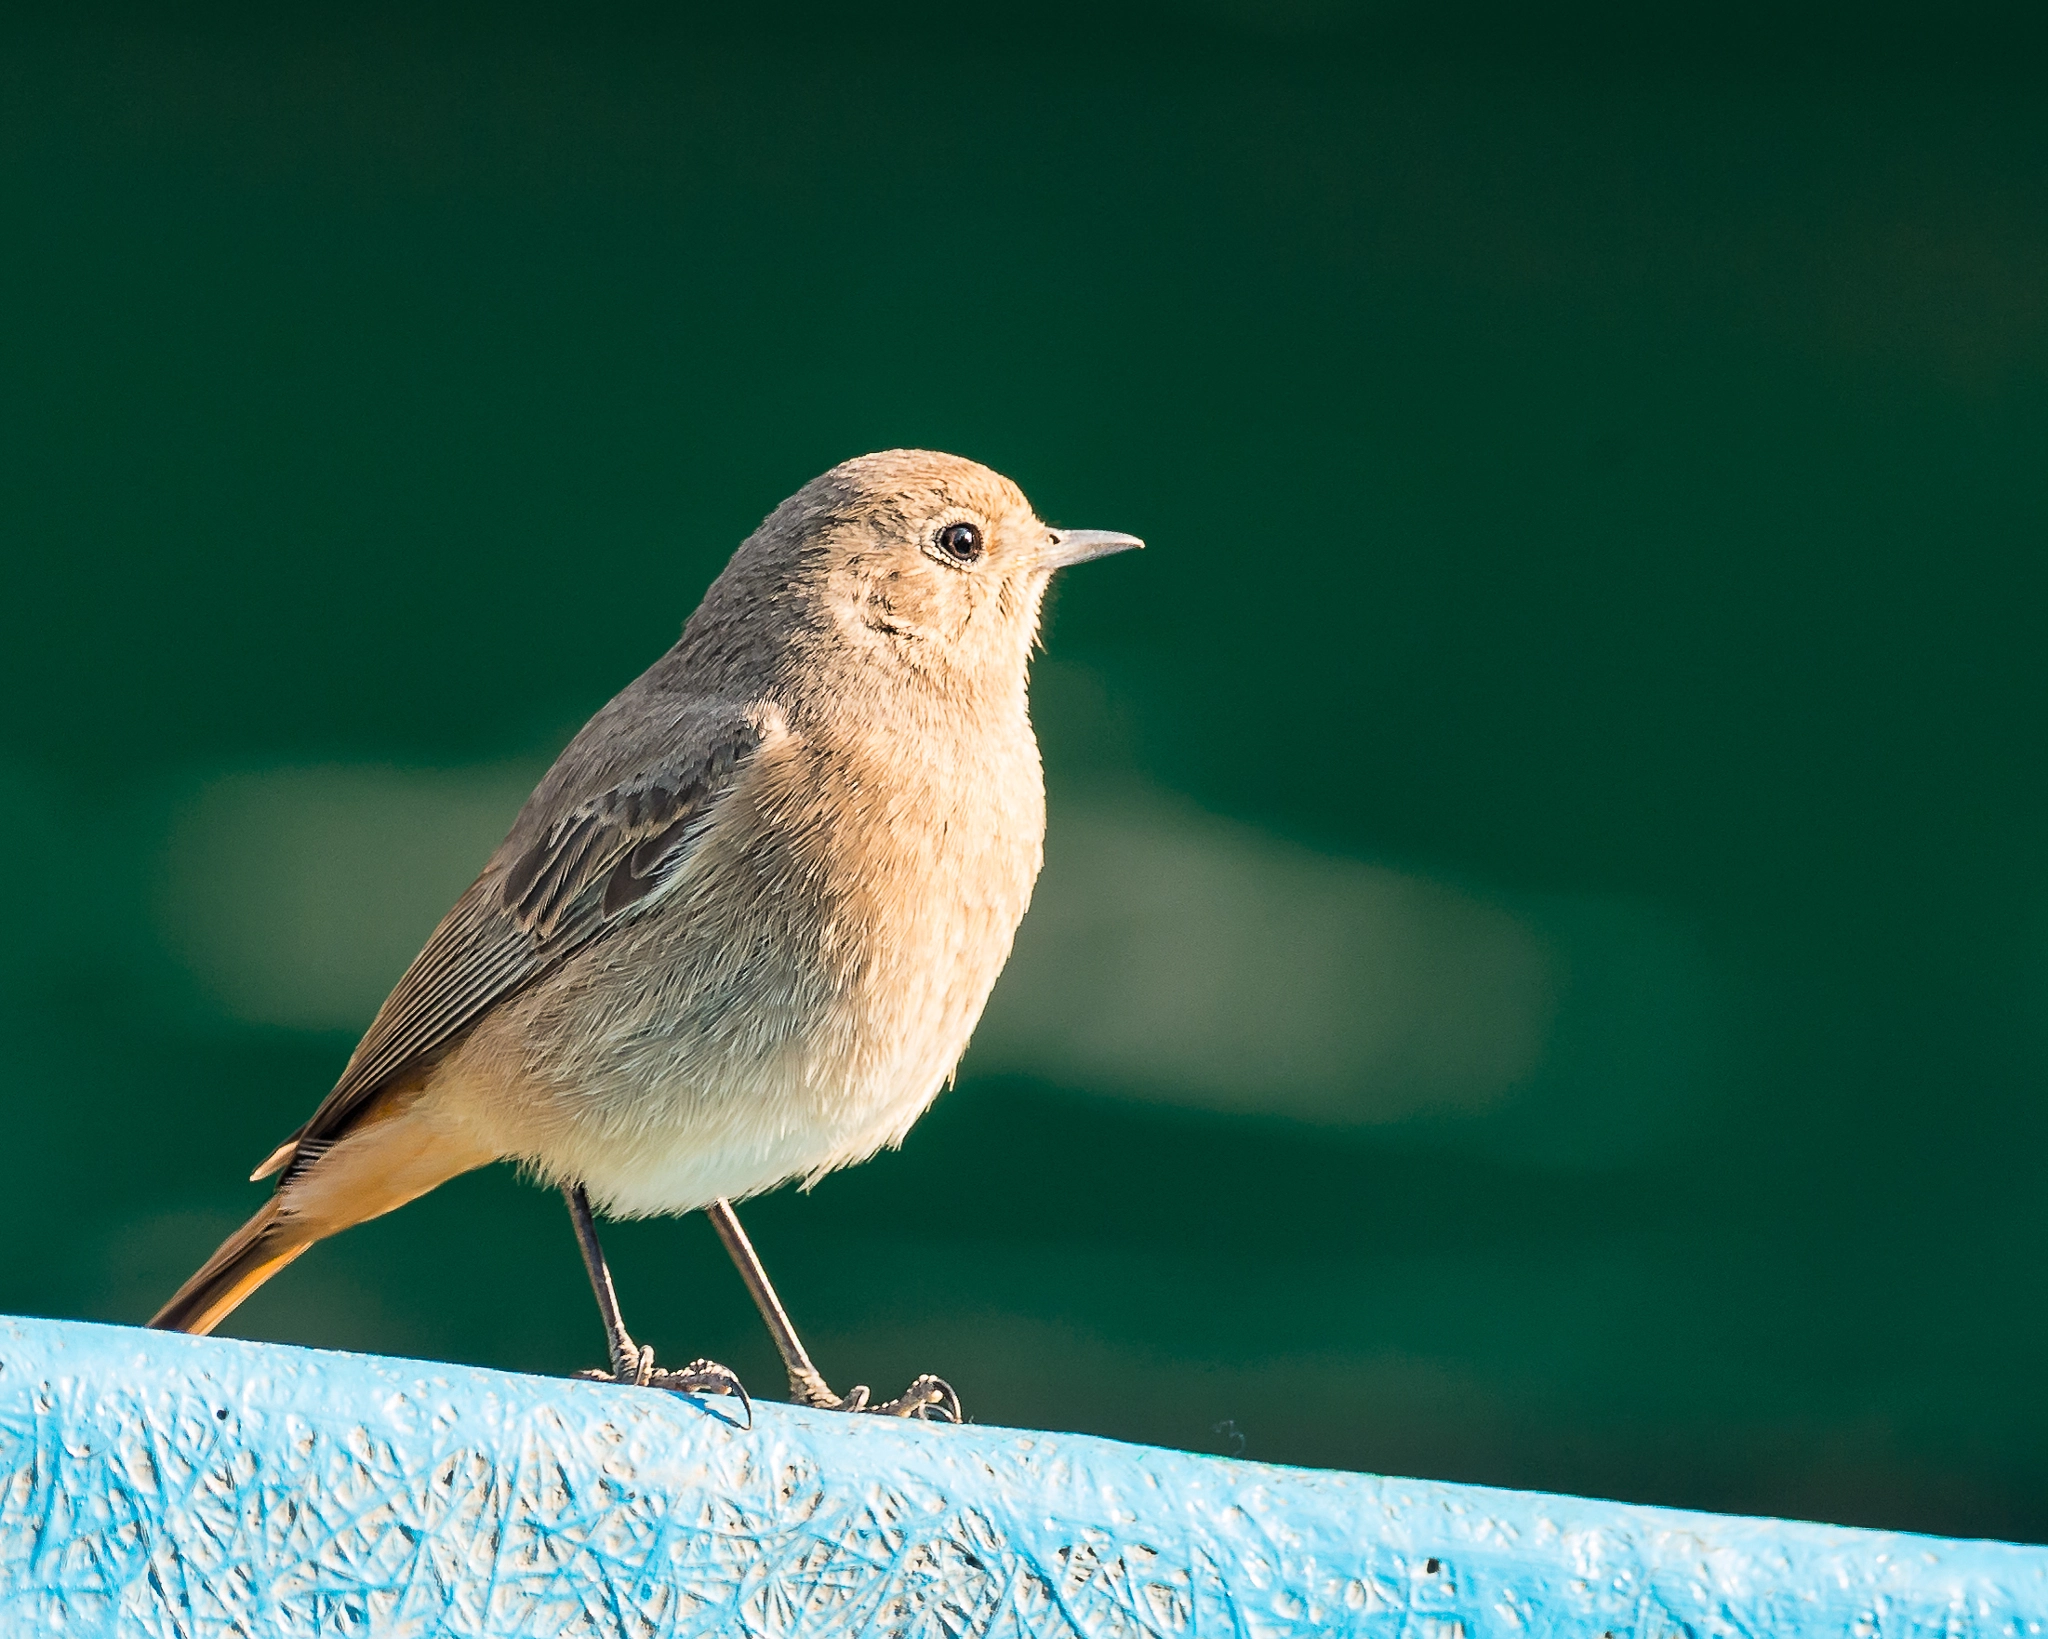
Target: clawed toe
x,y
704,1377
636,1368
927,1398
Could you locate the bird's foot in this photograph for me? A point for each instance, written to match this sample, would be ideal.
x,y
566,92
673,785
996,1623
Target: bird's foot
x,y
635,1367
925,1399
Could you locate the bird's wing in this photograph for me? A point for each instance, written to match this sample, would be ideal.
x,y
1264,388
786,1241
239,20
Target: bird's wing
x,y
572,868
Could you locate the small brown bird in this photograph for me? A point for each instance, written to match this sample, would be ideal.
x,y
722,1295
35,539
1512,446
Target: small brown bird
x,y
741,931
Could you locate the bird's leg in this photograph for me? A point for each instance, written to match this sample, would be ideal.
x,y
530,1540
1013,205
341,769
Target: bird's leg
x,y
928,1396
632,1362
807,1385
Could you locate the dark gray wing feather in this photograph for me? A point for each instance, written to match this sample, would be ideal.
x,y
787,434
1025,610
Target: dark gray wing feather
x,y
571,870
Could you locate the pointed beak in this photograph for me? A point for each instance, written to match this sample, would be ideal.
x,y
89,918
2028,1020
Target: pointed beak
x,y
1066,547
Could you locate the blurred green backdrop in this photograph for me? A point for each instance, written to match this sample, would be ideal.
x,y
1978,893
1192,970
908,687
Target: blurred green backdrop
x,y
1542,970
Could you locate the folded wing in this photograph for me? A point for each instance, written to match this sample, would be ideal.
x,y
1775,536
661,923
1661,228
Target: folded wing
x,y
572,869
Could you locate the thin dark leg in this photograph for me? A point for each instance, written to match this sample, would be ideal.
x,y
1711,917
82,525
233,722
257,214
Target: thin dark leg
x,y
632,1362
807,1385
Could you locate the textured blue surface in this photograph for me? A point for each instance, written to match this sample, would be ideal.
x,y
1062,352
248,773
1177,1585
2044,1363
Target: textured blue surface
x,y
171,1485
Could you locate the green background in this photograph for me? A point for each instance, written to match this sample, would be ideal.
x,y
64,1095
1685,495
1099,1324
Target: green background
x,y
1550,985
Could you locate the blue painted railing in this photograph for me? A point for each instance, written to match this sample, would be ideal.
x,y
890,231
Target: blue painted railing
x,y
167,1485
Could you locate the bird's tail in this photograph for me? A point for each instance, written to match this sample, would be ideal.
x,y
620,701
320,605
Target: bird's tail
x,y
246,1259
399,1150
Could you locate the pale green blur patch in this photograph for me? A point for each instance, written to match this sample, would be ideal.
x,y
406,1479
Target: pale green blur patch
x,y
296,896
1176,956
1170,957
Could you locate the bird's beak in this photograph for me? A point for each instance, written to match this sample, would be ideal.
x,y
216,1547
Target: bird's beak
x,y
1066,547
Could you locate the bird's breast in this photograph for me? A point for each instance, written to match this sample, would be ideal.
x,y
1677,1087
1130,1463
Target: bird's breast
x,y
920,859
801,995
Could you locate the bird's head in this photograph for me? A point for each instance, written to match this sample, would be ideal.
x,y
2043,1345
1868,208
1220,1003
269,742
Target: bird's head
x,y
910,562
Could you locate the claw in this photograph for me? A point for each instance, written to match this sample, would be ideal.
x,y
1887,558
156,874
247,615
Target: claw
x,y
926,1398
699,1377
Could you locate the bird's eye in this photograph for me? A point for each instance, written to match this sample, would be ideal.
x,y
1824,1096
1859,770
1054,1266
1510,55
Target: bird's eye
x,y
960,542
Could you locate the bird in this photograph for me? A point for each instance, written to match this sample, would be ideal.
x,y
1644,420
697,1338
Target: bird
x,y
743,928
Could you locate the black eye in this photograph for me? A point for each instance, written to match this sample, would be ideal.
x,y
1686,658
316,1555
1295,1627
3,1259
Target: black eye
x,y
960,542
